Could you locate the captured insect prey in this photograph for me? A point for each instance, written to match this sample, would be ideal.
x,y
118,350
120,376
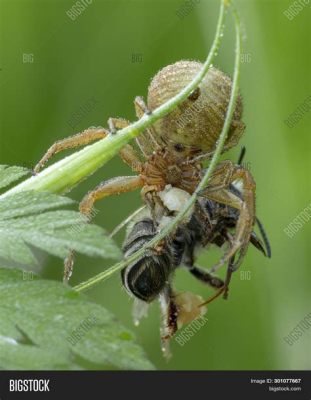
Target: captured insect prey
x,y
151,276
168,162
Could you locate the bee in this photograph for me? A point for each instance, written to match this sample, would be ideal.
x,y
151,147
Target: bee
x,y
150,277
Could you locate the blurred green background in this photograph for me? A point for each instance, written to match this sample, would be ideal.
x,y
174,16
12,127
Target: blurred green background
x,y
52,67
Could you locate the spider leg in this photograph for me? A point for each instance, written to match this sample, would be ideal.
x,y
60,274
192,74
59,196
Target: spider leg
x,y
256,242
120,184
223,289
80,139
141,107
246,219
230,270
110,187
169,315
146,141
220,193
127,153
117,123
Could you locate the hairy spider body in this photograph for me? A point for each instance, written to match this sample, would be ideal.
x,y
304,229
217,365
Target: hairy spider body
x,y
161,169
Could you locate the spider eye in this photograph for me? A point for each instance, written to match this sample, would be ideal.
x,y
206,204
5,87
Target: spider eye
x,y
195,94
179,147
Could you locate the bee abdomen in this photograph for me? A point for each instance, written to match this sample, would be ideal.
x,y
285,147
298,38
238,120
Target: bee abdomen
x,y
141,232
147,277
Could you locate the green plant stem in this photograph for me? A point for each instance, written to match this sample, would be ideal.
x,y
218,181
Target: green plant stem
x,y
68,172
190,203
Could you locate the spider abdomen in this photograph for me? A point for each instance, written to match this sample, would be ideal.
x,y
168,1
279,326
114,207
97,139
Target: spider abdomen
x,y
195,125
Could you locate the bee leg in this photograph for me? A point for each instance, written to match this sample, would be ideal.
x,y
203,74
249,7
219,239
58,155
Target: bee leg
x,y
170,315
121,184
211,280
205,276
80,139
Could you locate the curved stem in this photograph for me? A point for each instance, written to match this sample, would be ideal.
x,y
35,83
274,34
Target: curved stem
x,y
68,172
189,205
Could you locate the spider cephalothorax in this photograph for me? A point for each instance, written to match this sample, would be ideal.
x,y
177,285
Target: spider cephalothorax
x,y
161,168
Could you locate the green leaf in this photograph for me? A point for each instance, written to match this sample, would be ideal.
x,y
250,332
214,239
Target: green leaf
x,y
26,219
40,322
27,203
11,174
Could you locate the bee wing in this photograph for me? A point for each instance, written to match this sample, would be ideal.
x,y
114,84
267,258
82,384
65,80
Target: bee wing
x,y
140,310
126,221
222,196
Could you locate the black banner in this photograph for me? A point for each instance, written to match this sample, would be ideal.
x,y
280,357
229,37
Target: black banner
x,y
156,385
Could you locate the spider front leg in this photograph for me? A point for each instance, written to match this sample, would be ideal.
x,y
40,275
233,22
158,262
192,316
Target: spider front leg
x,y
224,288
118,185
127,153
218,190
146,140
80,139
113,186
